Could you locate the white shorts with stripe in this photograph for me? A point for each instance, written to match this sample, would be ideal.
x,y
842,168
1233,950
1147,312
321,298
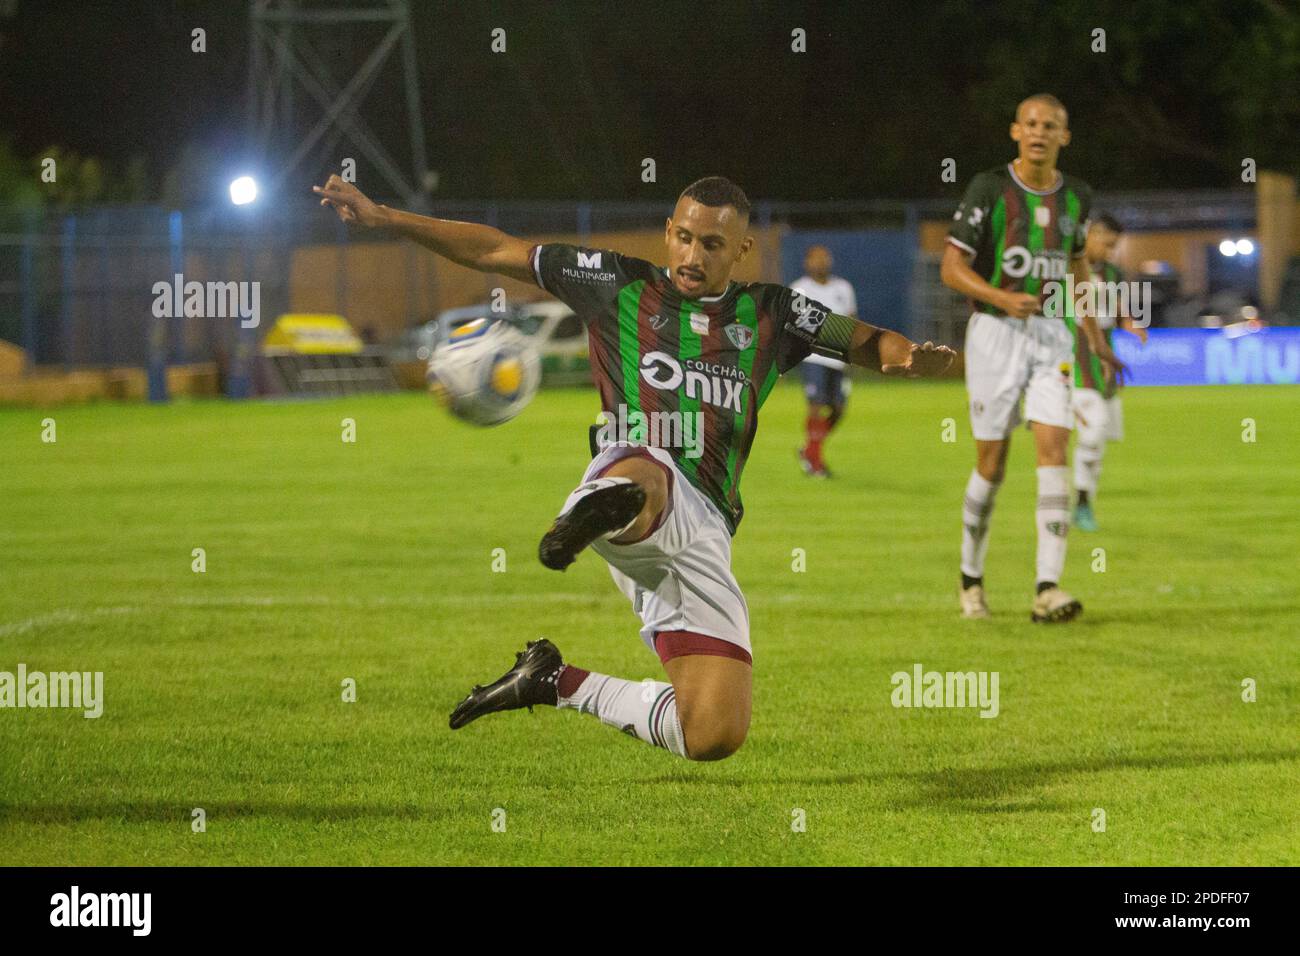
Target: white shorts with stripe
x,y
1009,359
678,577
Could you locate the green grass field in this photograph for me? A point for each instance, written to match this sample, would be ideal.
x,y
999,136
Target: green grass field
x,y
373,561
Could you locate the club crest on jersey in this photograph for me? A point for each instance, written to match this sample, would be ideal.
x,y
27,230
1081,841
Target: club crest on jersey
x,y
699,323
1043,216
740,335
1066,224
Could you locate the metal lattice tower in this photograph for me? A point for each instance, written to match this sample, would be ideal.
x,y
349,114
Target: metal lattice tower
x,y
291,85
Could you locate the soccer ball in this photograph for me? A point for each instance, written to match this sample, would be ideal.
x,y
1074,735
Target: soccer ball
x,y
485,372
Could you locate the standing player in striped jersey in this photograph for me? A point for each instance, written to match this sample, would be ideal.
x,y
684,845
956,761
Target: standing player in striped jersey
x,y
1098,415
1018,232
686,344
824,383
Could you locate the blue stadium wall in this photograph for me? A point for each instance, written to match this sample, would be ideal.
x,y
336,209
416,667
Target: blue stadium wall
x,y
877,261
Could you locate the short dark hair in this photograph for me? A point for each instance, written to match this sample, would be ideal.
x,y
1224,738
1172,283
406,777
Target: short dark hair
x,y
717,191
1109,221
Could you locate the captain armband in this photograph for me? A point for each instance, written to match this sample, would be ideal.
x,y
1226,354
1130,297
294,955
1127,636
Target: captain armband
x,y
836,334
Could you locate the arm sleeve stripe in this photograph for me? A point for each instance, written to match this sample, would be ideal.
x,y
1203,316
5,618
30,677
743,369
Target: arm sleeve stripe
x,y
536,257
961,245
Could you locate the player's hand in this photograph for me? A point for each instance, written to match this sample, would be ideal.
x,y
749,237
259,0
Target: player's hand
x,y
1140,331
923,360
1115,370
1019,305
349,202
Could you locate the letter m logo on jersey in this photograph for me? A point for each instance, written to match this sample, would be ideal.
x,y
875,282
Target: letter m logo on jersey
x,y
586,261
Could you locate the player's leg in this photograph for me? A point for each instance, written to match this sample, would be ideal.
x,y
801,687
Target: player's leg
x,y
644,709
1090,422
834,392
622,500
1047,406
713,703
694,617
976,513
701,714
672,559
1114,418
815,425
994,381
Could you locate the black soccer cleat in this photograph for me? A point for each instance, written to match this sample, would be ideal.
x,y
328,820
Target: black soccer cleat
x,y
531,681
602,511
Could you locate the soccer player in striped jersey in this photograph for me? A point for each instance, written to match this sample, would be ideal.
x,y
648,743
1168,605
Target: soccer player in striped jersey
x,y
677,344
1016,235
1098,414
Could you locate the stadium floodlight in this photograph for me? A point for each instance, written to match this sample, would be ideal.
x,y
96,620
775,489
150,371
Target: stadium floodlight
x,y
1227,248
1245,247
243,191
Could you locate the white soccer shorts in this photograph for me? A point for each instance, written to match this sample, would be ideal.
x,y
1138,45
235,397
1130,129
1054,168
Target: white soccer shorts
x,y
1007,359
678,577
1097,419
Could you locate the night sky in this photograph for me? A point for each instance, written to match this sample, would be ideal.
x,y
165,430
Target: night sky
x,y
586,91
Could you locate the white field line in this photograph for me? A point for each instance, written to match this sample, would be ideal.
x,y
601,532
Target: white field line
x,y
83,615
63,615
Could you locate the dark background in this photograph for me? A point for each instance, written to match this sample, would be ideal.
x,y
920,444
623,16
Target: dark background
x,y
886,91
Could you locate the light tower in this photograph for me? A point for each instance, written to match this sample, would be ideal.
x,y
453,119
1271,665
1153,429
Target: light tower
x,y
300,106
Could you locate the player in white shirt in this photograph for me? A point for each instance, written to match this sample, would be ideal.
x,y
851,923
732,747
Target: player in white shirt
x,y
824,383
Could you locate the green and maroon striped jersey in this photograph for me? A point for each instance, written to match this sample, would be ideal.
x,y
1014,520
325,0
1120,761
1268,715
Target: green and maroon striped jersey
x,y
1088,370
1021,237
714,360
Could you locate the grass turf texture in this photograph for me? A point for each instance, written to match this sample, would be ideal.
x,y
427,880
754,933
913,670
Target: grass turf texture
x,y
373,560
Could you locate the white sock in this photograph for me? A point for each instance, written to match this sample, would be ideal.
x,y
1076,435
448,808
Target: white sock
x,y
586,488
1053,514
1087,467
647,710
976,508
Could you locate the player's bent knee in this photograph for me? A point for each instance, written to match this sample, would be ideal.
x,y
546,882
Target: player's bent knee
x,y
712,693
713,742
713,730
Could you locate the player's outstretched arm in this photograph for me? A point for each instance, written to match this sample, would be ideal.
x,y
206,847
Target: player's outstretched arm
x,y
895,354
956,273
465,243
